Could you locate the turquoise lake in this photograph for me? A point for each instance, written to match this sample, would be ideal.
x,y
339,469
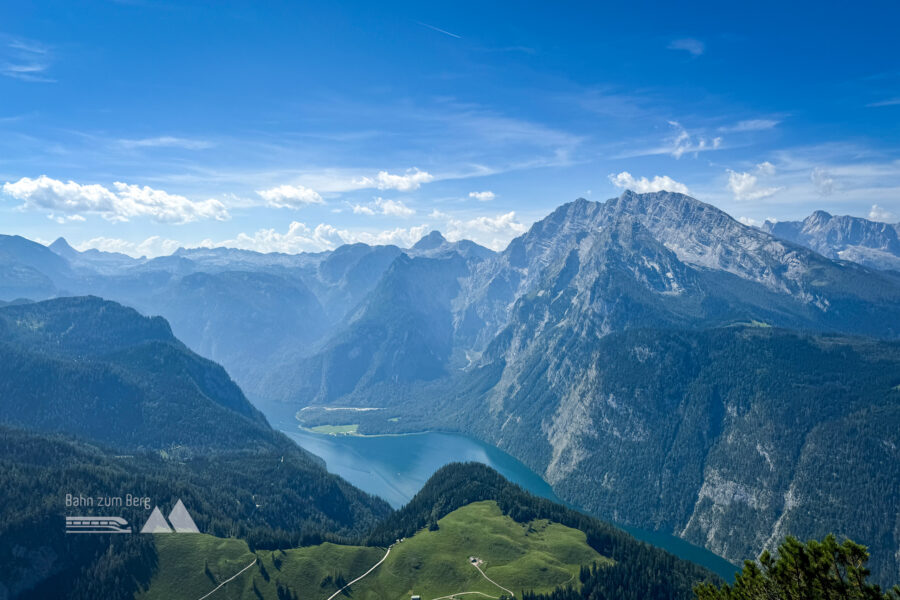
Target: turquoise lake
x,y
395,467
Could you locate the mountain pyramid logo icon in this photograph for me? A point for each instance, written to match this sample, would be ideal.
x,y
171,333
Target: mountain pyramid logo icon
x,y
156,523
180,518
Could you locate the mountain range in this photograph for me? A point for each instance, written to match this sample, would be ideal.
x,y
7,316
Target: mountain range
x,y
870,243
658,362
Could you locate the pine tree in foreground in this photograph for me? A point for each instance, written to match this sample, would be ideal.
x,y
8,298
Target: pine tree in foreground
x,y
812,571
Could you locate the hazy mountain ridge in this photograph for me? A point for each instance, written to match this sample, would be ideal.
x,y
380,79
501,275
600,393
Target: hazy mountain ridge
x,y
870,243
94,368
245,309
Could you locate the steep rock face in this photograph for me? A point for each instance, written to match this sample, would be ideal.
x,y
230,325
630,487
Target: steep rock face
x,y
633,352
730,437
870,243
591,269
792,284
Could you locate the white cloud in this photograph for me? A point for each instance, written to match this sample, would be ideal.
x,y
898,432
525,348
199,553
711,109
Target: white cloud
x,y
745,186
150,247
122,203
393,208
749,222
166,141
822,181
878,213
493,232
690,45
298,238
485,196
685,143
301,238
63,219
765,168
644,185
400,236
290,196
750,125
411,180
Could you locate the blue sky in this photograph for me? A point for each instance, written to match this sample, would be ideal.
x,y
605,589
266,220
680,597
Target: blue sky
x,y
142,126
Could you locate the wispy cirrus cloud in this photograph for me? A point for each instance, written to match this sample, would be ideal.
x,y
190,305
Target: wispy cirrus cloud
x,y
26,60
166,141
439,30
750,125
684,142
680,142
887,102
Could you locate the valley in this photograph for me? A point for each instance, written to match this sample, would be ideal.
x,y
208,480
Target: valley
x,y
647,359
449,300
396,466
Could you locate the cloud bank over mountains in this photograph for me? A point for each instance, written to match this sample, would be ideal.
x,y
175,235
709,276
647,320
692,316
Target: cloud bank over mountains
x,y
71,200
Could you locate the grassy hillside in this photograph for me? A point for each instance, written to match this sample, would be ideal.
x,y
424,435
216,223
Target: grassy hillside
x,y
537,555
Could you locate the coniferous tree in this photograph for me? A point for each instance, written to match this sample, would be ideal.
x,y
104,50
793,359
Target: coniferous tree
x,y
811,571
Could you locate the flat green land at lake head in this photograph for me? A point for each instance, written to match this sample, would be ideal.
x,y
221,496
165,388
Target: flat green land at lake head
x,y
533,556
336,429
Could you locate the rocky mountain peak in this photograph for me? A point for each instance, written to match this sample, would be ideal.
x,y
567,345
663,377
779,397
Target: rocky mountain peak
x,y
63,248
431,241
844,237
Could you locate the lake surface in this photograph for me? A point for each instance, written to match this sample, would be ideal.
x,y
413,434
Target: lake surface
x,y
395,467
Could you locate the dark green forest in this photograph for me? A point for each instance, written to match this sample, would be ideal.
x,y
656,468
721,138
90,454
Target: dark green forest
x,y
270,499
97,400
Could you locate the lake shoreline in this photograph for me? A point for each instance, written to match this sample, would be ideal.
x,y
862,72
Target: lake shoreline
x,y
382,465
